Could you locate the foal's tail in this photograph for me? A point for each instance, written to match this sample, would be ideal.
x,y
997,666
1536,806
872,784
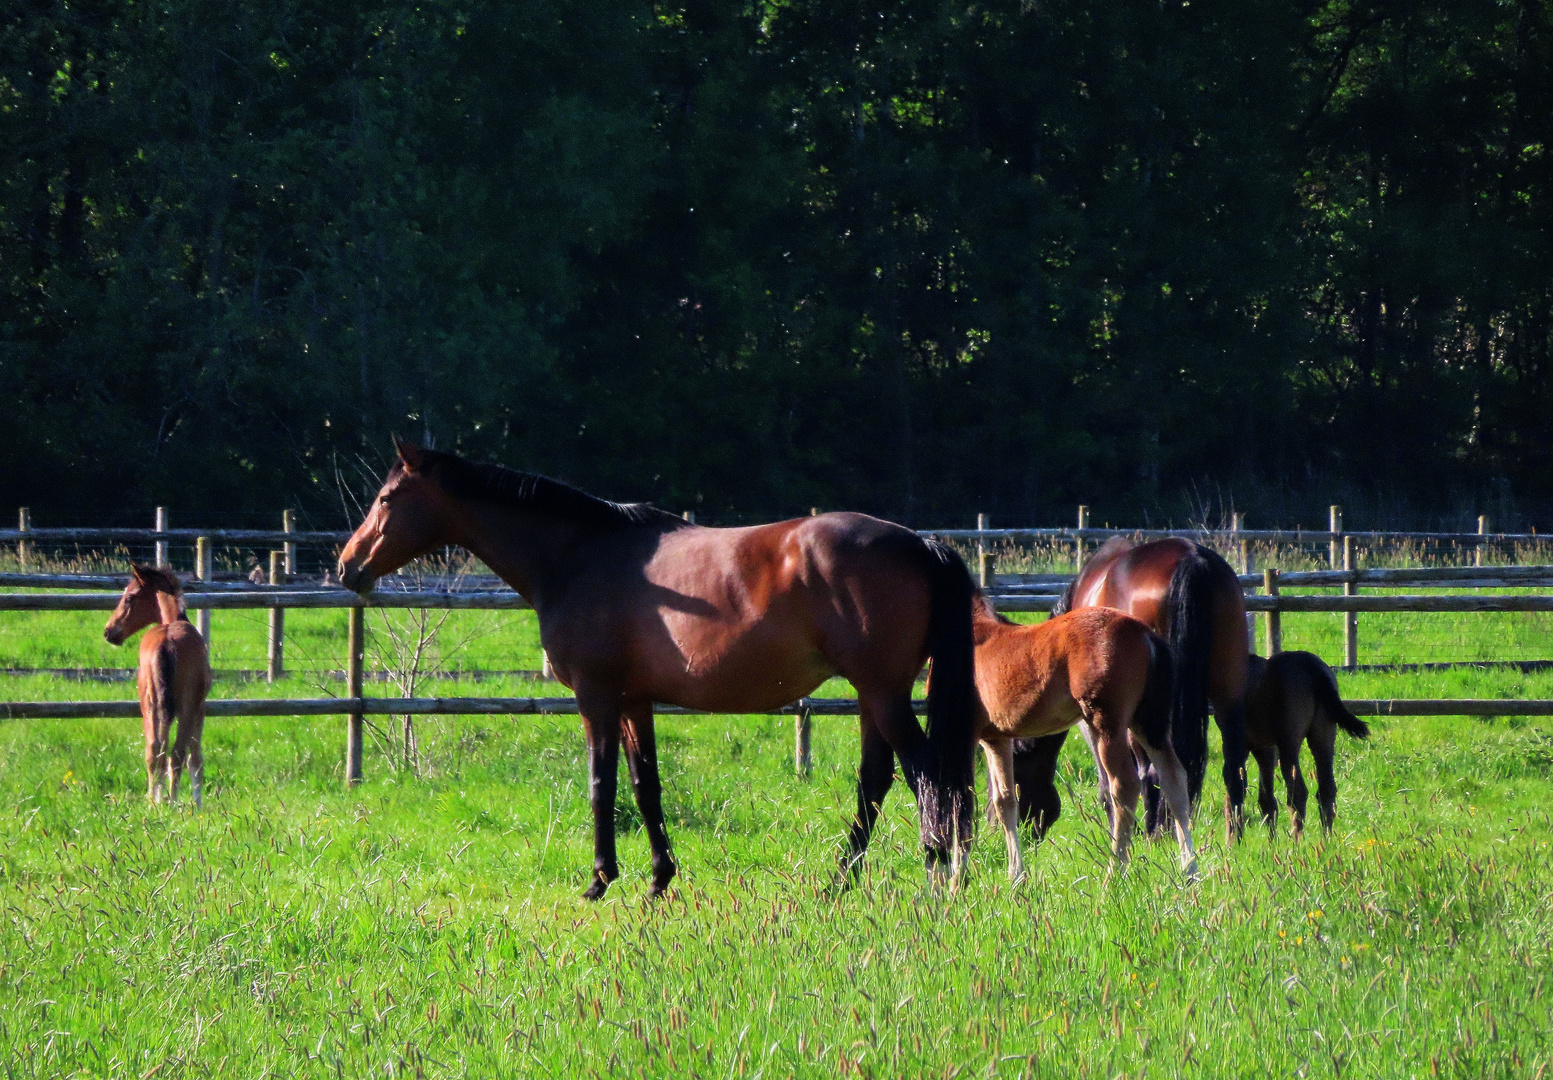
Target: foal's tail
x,y
950,812
1330,702
1189,600
163,704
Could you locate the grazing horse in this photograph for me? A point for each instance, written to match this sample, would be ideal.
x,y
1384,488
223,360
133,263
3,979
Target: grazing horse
x,y
173,681
1097,667
1294,699
1190,595
637,606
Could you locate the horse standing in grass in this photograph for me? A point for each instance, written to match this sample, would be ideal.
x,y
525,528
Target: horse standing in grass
x,y
1190,595
173,681
1293,699
1097,667
637,606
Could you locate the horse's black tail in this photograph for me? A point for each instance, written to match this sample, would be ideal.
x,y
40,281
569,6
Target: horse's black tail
x,y
1152,718
950,811
1331,702
1189,604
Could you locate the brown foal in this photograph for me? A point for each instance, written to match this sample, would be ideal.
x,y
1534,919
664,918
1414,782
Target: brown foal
x,y
636,606
174,678
1098,667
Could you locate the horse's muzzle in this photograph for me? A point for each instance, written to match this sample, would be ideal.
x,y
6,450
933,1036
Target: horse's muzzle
x,y
112,637
356,579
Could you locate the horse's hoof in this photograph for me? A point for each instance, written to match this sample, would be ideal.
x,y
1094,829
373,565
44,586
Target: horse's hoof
x,y
596,890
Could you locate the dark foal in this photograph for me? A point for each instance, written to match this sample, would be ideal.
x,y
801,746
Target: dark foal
x,y
1292,699
173,682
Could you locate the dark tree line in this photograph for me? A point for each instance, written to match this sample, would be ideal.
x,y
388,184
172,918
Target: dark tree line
x,y
920,258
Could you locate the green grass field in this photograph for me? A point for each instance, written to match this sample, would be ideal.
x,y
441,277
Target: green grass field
x,y
430,924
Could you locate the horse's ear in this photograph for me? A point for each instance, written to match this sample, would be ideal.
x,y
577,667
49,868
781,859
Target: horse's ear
x,y
137,572
410,455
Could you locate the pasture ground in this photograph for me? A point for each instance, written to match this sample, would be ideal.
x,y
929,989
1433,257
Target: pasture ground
x,y
430,924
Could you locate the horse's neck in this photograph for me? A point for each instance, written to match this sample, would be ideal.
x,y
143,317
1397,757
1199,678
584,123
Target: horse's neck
x,y
169,608
985,624
522,548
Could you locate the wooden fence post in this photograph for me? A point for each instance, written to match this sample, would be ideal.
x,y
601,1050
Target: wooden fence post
x,y
275,660
1482,531
203,570
161,545
1350,618
988,570
1078,545
288,523
981,552
803,736
1274,616
690,516
1335,525
24,523
356,646
814,511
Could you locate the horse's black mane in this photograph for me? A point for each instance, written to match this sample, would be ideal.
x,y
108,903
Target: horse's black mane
x,y
508,487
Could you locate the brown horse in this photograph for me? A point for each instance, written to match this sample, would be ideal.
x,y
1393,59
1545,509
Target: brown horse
x,y
1293,699
1096,667
1190,595
637,606
174,678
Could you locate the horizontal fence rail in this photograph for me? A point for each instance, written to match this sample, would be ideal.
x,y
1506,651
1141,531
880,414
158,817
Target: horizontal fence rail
x,y
566,706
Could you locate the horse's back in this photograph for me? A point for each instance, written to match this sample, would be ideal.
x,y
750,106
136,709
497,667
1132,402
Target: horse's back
x,y
175,654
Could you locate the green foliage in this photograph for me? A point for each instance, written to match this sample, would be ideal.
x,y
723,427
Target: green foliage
x,y
921,260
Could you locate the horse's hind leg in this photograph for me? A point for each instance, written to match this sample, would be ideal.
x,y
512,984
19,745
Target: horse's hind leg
x,y
1322,739
156,758
1266,797
641,744
195,722
1173,786
875,774
1090,740
1121,769
1231,718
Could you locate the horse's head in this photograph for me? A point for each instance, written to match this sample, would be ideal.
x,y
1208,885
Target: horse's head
x,y
139,607
408,519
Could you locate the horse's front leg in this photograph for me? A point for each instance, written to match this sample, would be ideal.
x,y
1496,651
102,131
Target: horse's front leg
x,y
1001,792
601,726
641,744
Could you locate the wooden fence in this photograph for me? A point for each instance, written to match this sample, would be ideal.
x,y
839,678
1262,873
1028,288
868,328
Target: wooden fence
x,y
1026,592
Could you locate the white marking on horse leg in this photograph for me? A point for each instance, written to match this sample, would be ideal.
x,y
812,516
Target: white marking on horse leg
x,y
1172,784
1000,789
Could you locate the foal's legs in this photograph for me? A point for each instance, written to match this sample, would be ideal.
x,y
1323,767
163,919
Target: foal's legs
x,y
1266,797
1294,781
601,725
1000,792
156,755
1090,739
1322,738
1172,784
1121,769
641,745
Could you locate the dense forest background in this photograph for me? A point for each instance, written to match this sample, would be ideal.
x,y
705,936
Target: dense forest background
x,y
916,258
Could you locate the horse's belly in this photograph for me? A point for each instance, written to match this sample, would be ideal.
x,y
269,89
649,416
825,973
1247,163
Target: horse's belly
x,y
743,675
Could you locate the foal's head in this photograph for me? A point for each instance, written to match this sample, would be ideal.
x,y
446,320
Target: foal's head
x,y
139,606
408,519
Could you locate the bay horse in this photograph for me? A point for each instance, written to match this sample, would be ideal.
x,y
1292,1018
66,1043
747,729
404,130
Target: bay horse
x,y
1187,593
173,680
1097,667
1293,699
637,606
